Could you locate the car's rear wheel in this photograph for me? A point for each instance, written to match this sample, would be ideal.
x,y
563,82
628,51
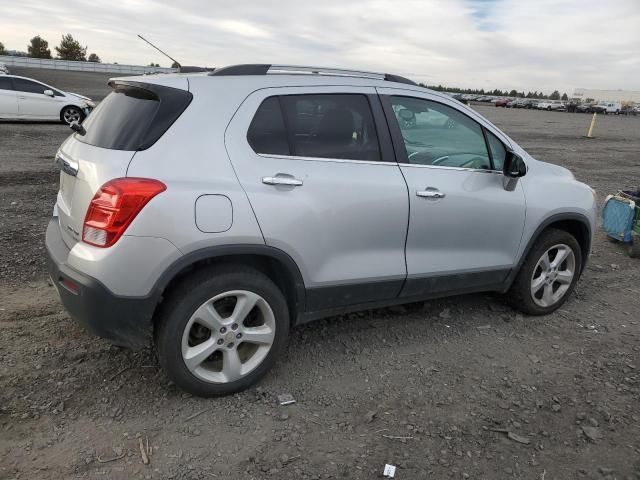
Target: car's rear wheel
x,y
548,275
71,114
221,330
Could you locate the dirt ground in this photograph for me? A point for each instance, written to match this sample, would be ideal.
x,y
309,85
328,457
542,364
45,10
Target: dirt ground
x,y
458,388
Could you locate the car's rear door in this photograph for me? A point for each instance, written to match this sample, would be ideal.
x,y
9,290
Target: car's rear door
x,y
321,176
464,227
33,103
8,99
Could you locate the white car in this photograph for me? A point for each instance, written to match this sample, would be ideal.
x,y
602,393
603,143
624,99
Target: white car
x,y
3,69
551,105
23,98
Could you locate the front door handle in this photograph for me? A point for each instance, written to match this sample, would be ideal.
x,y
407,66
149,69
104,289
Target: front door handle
x,y
282,180
430,192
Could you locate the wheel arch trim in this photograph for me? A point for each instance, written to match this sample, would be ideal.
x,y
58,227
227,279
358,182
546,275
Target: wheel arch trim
x,y
221,251
546,223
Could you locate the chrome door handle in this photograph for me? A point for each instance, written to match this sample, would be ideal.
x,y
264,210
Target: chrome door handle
x,y
430,193
282,180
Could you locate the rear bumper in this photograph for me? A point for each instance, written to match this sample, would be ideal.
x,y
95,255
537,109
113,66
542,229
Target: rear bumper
x,y
124,321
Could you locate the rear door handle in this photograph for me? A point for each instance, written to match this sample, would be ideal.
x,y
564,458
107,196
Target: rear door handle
x,y
282,180
430,192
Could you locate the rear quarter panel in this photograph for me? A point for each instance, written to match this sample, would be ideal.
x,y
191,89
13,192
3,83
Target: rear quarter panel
x,y
191,159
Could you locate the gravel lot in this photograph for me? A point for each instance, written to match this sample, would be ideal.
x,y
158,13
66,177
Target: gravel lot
x,y
458,388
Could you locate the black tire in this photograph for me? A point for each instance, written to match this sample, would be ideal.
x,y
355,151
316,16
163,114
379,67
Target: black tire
x,y
193,292
519,295
71,111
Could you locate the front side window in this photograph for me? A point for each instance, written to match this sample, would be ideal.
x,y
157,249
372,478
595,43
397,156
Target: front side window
x,y
23,85
339,126
498,151
435,134
5,83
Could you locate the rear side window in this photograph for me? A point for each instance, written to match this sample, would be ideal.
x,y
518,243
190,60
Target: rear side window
x,y
267,133
134,116
5,83
337,126
22,85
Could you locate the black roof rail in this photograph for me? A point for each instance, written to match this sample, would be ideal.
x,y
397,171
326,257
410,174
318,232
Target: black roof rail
x,y
389,77
265,68
194,69
246,69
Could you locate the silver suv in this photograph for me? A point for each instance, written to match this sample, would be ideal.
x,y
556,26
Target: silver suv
x,y
212,212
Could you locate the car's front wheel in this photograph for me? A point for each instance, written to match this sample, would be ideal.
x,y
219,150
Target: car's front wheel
x,y
548,275
221,330
71,114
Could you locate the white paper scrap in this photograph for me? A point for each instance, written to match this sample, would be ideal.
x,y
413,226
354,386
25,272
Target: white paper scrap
x,y
389,471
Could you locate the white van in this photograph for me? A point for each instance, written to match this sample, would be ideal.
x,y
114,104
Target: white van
x,y
612,107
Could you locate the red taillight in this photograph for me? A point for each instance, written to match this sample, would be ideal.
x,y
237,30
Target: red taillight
x,y
114,206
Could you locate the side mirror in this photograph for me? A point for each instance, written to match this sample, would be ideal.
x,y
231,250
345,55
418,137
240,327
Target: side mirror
x,y
48,93
514,166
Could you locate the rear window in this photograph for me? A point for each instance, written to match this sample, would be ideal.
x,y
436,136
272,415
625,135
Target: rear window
x,y
134,116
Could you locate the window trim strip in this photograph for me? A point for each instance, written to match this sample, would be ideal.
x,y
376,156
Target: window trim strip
x,y
324,159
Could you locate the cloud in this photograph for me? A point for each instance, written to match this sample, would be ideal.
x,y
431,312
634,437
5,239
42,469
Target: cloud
x,y
535,45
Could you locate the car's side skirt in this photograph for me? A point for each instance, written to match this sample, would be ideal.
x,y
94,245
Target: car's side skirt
x,y
337,300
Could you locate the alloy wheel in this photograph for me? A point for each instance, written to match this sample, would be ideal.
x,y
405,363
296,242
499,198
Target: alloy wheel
x,y
71,115
553,275
228,336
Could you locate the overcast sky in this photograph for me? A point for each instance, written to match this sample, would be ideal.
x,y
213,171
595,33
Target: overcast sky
x,y
522,44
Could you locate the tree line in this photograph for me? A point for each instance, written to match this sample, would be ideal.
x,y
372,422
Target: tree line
x,y
499,93
69,49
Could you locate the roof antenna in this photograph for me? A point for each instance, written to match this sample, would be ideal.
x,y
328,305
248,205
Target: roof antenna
x,y
165,54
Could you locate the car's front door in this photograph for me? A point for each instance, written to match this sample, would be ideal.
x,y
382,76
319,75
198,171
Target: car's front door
x,y
322,179
33,103
465,227
8,99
